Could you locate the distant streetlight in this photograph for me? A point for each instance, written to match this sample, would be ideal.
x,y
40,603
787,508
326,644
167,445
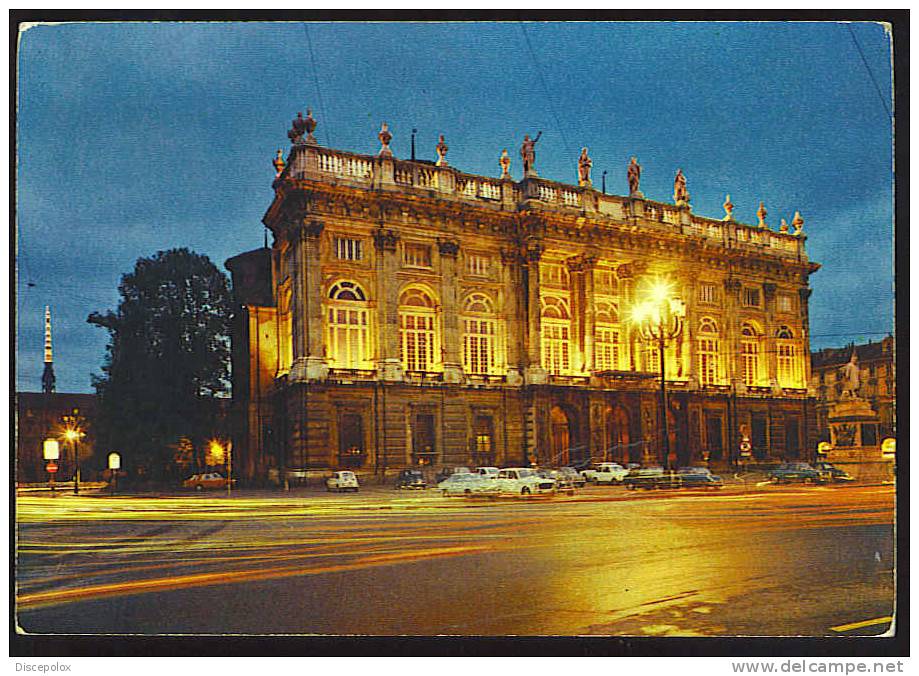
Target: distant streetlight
x,y
659,317
414,131
604,181
51,452
73,436
114,464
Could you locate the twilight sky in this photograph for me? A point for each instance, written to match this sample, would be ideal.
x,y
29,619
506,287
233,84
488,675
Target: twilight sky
x,y
139,137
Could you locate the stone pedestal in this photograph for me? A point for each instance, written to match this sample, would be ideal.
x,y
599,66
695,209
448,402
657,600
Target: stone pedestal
x,y
856,443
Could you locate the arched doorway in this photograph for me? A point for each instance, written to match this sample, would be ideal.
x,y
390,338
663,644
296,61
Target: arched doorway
x,y
616,448
560,434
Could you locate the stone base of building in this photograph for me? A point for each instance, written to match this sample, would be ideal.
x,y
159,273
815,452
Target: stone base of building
x,y
865,464
377,427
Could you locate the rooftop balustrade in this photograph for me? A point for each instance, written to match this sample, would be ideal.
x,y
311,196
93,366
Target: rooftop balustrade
x,y
337,167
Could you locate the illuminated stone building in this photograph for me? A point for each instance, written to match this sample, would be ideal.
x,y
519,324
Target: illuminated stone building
x,y
409,313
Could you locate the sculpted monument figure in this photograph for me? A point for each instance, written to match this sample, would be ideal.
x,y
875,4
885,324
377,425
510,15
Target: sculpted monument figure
x,y
634,176
850,379
441,148
680,195
505,162
528,154
584,165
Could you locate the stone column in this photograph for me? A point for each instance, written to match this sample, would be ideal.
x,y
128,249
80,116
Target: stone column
x,y
309,350
580,268
512,312
450,311
389,366
535,373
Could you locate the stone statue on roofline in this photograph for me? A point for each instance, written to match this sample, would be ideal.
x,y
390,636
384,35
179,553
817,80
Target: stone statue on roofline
x,y
634,176
584,165
528,154
505,162
680,194
441,148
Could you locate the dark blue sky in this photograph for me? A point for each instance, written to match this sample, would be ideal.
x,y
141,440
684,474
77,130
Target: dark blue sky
x,y
140,137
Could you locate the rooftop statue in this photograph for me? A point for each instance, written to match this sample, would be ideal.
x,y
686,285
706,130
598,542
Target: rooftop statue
x,y
441,149
385,137
528,154
634,176
680,194
584,165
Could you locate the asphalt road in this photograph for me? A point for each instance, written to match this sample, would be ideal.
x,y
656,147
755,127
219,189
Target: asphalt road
x,y
813,560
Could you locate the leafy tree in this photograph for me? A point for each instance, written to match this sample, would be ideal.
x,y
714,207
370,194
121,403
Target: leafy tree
x,y
167,361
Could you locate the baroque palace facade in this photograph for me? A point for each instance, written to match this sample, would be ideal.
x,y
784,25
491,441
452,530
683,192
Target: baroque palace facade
x,y
408,313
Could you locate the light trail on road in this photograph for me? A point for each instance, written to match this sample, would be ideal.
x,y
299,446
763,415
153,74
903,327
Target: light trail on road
x,y
615,556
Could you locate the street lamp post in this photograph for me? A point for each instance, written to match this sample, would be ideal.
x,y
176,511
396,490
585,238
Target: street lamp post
x,y
74,436
660,318
51,452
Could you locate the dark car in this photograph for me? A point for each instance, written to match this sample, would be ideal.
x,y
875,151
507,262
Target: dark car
x,y
651,478
573,476
831,473
705,480
411,479
789,472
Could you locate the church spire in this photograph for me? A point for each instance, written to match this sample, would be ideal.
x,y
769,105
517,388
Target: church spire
x,y
47,376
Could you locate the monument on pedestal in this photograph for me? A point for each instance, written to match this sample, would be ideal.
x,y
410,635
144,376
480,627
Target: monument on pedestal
x,y
854,436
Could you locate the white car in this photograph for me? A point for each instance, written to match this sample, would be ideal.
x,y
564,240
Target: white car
x,y
523,481
490,472
465,484
606,473
342,481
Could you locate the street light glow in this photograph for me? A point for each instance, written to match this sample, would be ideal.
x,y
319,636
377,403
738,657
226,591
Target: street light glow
x,y
71,434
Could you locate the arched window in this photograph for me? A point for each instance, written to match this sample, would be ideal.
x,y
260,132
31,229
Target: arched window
x,y
709,356
788,363
749,354
348,327
556,335
419,341
607,337
481,335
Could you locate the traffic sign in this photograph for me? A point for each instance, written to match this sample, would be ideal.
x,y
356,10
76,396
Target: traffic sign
x,y
51,467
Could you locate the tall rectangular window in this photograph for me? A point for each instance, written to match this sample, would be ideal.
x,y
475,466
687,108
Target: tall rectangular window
x,y
708,293
606,349
555,345
749,354
787,366
750,297
784,303
417,255
417,341
478,345
478,264
708,361
348,249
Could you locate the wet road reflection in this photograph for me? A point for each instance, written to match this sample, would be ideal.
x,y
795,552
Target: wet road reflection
x,y
419,564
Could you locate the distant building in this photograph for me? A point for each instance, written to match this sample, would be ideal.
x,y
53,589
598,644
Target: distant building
x,y
408,313
41,416
877,381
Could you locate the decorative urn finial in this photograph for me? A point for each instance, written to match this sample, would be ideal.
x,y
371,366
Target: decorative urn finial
x,y
633,174
385,137
798,223
728,208
310,124
297,127
761,214
505,162
279,163
441,149
783,226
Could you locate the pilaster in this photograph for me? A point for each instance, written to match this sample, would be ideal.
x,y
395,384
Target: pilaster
x,y
452,361
389,366
535,373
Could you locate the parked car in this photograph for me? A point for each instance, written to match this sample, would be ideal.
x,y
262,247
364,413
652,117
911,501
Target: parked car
x,y
831,473
523,481
642,477
794,471
206,480
450,471
563,482
574,476
693,470
341,482
700,480
605,473
487,471
411,479
466,484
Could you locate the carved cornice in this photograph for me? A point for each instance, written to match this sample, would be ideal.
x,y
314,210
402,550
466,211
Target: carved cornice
x,y
631,270
448,247
581,263
385,240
